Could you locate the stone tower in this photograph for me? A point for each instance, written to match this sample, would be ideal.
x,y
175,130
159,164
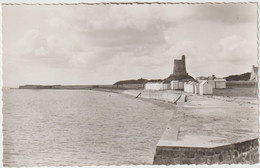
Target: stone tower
x,y
179,67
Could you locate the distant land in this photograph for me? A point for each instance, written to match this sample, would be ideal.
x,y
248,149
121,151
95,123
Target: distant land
x,y
241,77
141,81
74,87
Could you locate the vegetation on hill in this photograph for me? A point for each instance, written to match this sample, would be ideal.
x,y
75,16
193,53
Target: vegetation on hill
x,y
241,77
178,77
139,81
132,81
143,81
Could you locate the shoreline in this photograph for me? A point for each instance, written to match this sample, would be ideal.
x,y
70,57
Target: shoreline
x,y
211,121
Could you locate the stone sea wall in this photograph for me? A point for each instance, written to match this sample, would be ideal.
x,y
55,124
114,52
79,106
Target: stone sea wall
x,y
244,152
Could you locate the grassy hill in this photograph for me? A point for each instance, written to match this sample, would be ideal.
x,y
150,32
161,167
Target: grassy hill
x,y
241,77
132,81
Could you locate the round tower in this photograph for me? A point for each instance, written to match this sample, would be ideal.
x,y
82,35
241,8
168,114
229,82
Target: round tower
x,y
179,67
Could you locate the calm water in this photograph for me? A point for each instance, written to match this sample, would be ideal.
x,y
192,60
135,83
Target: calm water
x,y
70,127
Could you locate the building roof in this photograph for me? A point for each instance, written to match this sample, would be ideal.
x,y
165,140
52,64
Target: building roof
x,y
203,82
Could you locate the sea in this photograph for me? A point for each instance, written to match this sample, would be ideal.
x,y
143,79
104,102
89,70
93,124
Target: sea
x,y
79,128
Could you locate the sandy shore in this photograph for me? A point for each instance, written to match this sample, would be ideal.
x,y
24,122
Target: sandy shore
x,y
212,121
157,98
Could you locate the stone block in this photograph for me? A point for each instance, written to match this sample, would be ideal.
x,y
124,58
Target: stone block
x,y
209,153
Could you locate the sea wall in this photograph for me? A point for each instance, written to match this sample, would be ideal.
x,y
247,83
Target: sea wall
x,y
244,152
205,130
165,95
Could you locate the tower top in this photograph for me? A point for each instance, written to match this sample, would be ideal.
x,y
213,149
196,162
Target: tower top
x,y
183,57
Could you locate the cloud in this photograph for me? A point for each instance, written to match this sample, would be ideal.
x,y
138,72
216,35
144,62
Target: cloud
x,y
127,41
236,49
233,13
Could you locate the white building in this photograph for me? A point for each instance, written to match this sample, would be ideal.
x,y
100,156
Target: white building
x,y
212,82
177,85
166,85
189,87
153,86
220,83
197,88
205,88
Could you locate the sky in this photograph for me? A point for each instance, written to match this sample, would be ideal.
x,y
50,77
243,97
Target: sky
x,y
101,44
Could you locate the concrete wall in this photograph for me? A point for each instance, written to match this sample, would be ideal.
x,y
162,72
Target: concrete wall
x,y
244,152
177,85
181,85
197,89
189,88
153,86
205,89
174,85
166,86
217,84
220,84
213,83
167,95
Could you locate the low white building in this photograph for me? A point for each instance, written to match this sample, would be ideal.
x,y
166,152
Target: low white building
x,y
220,83
153,86
177,85
205,88
212,82
166,85
189,87
197,88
